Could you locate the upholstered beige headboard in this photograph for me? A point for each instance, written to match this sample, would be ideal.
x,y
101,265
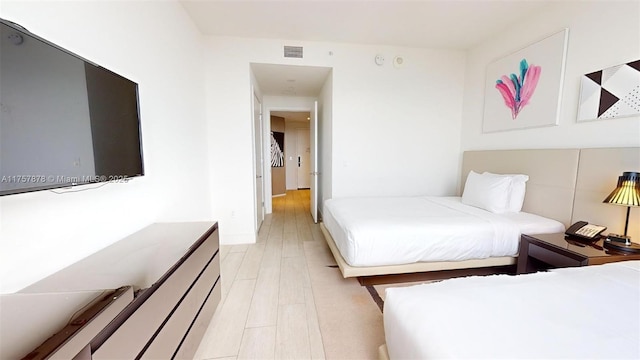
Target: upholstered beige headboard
x,y
566,184
598,173
552,176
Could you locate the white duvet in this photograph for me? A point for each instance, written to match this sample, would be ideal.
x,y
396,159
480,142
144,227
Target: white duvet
x,y
402,230
589,312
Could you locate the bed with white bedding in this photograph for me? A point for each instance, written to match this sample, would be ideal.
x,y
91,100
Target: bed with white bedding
x,y
586,312
379,231
461,235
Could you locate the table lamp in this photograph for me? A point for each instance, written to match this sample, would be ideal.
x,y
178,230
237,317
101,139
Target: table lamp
x,y
626,193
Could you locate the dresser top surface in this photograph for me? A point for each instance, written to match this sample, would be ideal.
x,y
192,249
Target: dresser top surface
x,y
137,260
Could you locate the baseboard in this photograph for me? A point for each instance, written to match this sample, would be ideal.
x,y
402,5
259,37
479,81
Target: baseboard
x,y
237,239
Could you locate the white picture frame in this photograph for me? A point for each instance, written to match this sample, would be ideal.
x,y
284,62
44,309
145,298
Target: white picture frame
x,y
610,93
537,101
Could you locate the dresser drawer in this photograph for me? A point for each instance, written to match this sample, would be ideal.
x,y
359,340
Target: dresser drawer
x,y
192,341
168,340
130,339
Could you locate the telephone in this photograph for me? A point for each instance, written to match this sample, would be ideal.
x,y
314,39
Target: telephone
x,y
585,230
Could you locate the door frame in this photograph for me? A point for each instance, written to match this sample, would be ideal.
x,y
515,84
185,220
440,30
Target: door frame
x,y
314,156
258,161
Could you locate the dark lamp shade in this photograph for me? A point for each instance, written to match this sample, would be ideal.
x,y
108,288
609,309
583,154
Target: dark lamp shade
x,y
627,192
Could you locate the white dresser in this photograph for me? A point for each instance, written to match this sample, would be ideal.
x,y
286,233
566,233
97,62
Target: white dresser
x,y
148,296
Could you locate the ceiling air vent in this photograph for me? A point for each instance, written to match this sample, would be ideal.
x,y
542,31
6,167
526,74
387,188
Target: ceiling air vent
x,y
293,52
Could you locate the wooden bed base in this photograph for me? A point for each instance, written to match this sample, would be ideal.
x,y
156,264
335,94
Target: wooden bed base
x,y
358,271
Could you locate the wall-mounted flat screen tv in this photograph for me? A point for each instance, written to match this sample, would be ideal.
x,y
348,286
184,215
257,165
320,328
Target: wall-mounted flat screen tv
x,y
64,120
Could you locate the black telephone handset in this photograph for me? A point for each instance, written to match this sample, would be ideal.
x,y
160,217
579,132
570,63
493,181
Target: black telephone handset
x,y
583,229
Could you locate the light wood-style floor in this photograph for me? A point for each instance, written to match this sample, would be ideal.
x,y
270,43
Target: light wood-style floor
x,y
268,310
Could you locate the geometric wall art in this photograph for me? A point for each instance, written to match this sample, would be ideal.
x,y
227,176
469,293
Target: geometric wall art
x,y
523,89
610,93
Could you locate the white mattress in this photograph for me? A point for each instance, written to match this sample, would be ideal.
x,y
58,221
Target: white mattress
x,y
588,312
404,230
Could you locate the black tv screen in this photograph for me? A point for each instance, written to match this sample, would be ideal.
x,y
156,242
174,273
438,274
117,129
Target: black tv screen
x,y
64,120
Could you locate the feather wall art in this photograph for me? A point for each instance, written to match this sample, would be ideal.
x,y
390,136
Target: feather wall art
x,y
518,90
529,86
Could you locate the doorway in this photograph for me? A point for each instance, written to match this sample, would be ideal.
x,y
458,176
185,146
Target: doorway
x,y
293,88
293,126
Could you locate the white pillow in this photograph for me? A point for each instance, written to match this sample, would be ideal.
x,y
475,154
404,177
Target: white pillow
x,y
490,193
517,191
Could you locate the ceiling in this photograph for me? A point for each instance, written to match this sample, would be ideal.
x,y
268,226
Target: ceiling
x,y
452,24
298,116
290,80
446,24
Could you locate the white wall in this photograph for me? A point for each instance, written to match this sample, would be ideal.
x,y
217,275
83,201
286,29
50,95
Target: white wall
x,y
383,119
396,131
156,45
601,34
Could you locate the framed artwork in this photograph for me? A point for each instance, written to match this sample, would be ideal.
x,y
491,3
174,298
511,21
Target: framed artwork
x,y
277,149
610,93
523,89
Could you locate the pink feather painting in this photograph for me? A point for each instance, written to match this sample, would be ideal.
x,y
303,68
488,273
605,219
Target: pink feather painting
x,y
518,90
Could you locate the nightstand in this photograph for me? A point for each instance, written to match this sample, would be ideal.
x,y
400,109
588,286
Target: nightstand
x,y
544,251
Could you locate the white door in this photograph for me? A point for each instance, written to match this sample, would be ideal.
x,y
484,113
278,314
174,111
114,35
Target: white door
x,y
314,162
303,151
258,161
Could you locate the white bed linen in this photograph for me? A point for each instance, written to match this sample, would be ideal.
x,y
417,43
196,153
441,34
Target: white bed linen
x,y
587,312
404,230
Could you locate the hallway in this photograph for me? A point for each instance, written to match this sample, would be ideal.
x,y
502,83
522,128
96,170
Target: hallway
x,y
283,299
